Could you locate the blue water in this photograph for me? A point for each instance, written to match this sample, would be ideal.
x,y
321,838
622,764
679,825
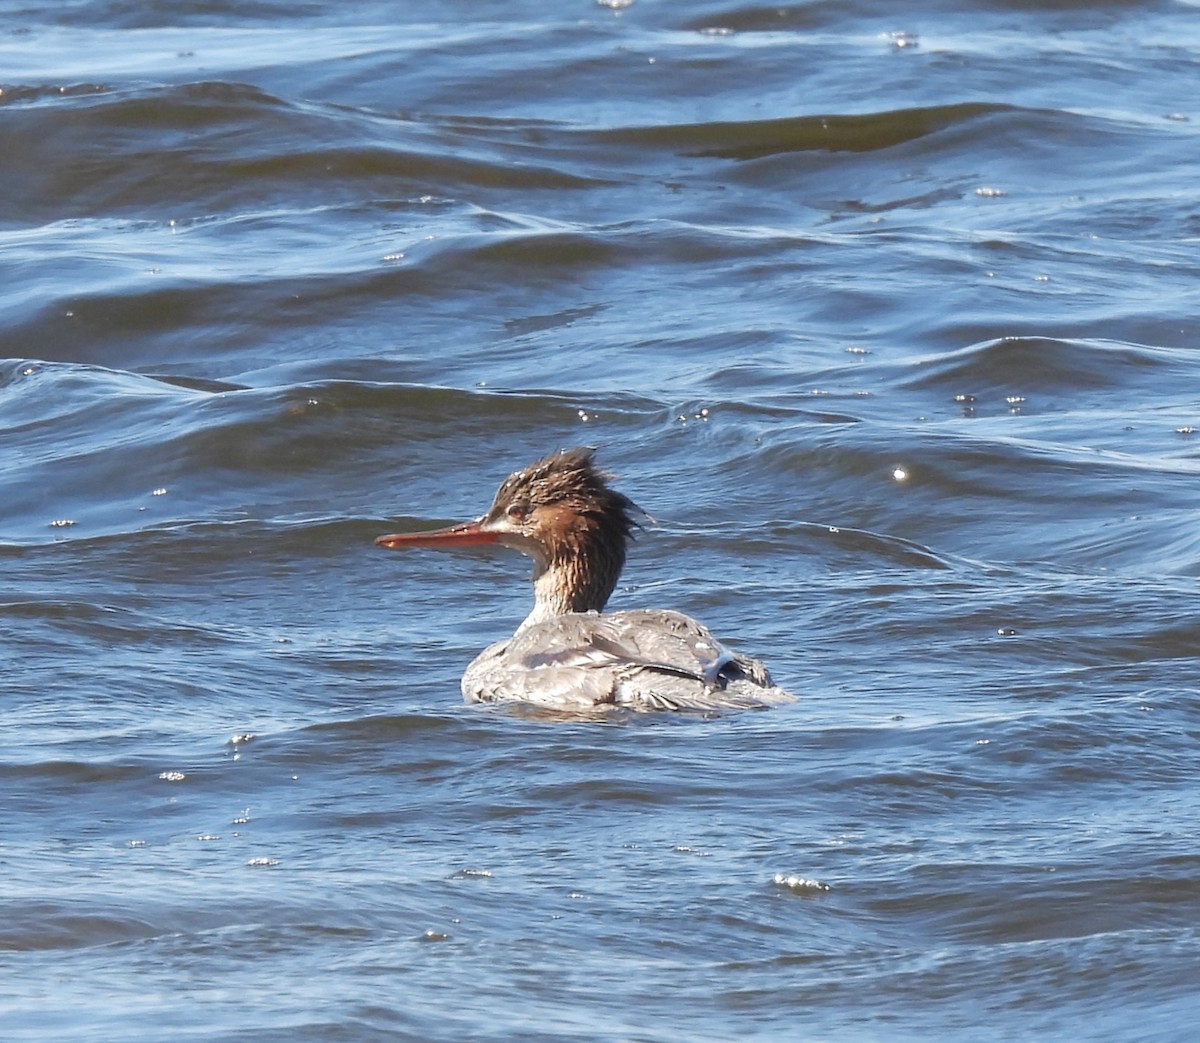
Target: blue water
x,y
889,318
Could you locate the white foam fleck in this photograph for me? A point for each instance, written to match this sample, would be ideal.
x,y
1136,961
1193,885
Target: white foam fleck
x,y
798,884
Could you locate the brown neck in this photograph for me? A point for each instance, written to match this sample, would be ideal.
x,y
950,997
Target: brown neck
x,y
578,570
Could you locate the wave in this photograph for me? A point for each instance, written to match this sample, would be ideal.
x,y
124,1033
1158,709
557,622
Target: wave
x,y
755,139
1044,364
110,452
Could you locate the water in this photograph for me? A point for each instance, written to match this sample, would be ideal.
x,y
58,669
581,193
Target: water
x,y
888,317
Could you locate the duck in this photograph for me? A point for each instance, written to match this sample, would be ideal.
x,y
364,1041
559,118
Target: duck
x,y
569,654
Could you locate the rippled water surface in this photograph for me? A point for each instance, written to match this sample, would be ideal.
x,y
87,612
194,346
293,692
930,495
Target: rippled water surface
x,y
889,316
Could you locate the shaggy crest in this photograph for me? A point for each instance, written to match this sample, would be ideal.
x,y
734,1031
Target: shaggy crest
x,y
567,478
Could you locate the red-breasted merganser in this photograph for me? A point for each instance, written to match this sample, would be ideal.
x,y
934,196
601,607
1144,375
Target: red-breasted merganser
x,y
568,656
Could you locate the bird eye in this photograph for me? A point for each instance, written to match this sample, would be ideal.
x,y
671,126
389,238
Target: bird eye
x,y
516,512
